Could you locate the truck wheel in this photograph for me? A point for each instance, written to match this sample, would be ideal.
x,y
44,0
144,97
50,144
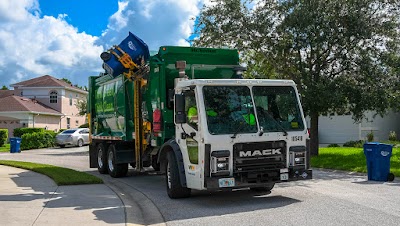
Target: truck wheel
x,y
80,143
115,170
101,159
267,188
174,187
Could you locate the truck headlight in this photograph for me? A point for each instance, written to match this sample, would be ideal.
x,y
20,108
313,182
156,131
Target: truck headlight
x,y
220,162
297,156
299,160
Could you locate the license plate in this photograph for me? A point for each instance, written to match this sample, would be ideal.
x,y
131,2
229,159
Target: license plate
x,y
226,182
284,176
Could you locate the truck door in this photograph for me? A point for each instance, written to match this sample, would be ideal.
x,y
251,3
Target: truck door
x,y
189,143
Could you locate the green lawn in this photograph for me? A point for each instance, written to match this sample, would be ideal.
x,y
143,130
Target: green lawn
x,y
5,148
350,159
61,176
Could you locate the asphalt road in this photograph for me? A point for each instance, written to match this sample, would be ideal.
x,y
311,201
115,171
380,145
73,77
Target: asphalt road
x,y
331,198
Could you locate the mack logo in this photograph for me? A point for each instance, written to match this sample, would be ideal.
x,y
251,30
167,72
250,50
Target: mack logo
x,y
265,152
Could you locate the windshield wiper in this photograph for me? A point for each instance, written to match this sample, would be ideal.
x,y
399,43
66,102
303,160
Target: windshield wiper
x,y
238,129
277,123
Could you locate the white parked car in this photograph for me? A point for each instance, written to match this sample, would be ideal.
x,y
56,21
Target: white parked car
x,y
76,137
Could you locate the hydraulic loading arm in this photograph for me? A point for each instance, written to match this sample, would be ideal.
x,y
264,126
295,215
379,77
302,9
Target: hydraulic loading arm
x,y
136,73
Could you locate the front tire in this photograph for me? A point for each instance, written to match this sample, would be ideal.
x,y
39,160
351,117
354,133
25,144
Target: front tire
x,y
115,170
101,159
174,187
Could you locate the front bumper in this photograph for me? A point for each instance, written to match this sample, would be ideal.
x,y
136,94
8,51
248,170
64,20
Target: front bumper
x,y
64,142
241,182
300,174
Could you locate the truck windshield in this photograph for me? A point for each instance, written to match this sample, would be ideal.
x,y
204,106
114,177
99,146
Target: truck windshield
x,y
277,105
229,110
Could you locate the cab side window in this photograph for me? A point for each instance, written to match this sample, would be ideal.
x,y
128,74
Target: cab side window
x,y
191,109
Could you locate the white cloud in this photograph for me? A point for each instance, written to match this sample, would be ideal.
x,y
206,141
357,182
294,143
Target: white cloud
x,y
209,2
32,46
17,10
120,18
156,22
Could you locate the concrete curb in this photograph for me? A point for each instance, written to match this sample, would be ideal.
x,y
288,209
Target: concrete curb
x,y
139,209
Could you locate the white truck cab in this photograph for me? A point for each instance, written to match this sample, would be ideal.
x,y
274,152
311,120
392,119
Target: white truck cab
x,y
237,133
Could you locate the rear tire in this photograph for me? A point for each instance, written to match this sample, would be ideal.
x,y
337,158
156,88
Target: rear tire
x,y
61,146
267,188
115,170
173,182
101,159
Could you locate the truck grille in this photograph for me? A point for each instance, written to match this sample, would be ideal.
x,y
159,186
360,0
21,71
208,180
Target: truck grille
x,y
260,157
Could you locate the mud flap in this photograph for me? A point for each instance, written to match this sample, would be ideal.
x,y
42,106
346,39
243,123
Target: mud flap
x,y
92,155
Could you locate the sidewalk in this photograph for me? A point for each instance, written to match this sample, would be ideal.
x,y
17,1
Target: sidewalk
x,y
29,198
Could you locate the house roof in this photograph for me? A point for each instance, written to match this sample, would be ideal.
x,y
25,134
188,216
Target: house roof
x,y
6,93
23,104
46,81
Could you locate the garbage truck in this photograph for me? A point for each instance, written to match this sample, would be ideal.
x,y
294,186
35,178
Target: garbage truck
x,y
187,112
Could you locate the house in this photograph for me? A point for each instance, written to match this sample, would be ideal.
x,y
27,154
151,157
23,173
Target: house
x,y
44,102
338,129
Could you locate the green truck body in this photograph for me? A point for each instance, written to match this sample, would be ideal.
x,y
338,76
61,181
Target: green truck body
x,y
110,101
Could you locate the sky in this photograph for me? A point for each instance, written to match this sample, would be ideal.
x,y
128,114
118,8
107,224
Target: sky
x,y
65,38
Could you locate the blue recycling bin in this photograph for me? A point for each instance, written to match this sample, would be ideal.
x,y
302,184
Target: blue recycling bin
x,y
133,46
15,143
378,160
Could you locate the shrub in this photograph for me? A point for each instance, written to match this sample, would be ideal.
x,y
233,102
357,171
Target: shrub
x,y
333,146
356,144
21,131
3,136
86,125
37,140
370,137
392,136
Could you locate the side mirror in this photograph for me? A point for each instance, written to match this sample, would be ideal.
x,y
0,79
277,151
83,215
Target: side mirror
x,y
180,113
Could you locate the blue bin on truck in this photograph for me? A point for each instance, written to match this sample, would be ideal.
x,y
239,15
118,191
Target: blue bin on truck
x,y
15,144
378,161
131,45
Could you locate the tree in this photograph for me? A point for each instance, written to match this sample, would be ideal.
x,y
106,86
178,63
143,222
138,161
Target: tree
x,y
4,87
67,81
76,85
81,105
343,54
